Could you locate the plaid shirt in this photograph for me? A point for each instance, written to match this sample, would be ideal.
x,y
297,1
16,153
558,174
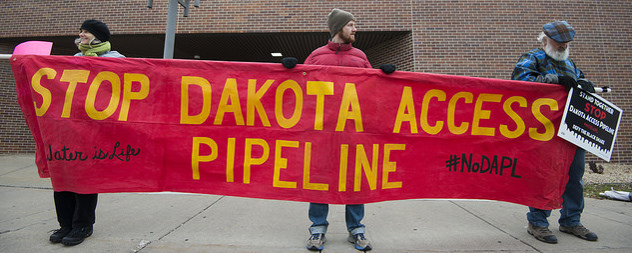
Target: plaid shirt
x,y
535,63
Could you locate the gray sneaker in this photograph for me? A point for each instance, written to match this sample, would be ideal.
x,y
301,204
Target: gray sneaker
x,y
316,242
542,233
361,243
579,231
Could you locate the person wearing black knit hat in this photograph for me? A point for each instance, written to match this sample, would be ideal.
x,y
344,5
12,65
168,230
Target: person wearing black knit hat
x,y
76,212
97,28
94,40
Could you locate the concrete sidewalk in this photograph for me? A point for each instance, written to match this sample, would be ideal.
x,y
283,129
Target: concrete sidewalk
x,y
135,222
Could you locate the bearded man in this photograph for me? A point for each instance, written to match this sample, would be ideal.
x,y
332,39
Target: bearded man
x,y
551,64
339,52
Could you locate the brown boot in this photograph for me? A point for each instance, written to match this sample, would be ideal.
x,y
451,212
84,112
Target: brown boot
x,y
542,233
579,231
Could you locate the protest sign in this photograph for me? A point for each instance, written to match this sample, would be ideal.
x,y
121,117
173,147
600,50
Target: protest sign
x,y
590,122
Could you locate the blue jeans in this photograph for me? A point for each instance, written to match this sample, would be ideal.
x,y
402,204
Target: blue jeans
x,y
573,197
318,216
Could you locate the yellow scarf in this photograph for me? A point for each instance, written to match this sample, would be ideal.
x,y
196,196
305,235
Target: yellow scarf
x,y
94,50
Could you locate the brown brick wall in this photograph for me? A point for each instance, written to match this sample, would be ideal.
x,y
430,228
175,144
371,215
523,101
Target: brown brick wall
x,y
15,136
480,38
50,18
398,51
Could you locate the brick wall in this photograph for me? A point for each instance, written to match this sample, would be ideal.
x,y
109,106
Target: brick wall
x,y
398,51
15,136
480,38
50,18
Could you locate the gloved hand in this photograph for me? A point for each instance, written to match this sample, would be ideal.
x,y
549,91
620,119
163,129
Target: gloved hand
x,y
388,68
568,82
548,78
586,85
289,62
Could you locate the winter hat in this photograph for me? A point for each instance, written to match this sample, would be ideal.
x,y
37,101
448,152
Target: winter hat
x,y
559,31
337,19
97,28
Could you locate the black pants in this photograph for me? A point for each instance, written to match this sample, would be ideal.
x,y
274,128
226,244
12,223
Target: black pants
x,y
75,210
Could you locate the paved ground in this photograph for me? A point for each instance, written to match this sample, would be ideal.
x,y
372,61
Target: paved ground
x,y
168,222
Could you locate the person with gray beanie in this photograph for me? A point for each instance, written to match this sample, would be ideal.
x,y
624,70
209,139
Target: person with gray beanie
x,y
342,31
338,52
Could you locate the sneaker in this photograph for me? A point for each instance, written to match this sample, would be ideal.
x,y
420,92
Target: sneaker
x,y
77,235
59,234
361,243
579,231
542,233
316,242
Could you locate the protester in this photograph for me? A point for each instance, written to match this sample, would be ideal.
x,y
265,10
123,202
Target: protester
x,y
338,52
76,212
94,40
551,64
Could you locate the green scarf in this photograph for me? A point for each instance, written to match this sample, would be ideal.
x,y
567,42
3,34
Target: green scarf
x,y
94,50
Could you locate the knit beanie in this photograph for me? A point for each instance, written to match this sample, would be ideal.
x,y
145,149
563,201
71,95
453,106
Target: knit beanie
x,y
97,28
337,19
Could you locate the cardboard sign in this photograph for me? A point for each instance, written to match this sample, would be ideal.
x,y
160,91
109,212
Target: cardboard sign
x,y
590,122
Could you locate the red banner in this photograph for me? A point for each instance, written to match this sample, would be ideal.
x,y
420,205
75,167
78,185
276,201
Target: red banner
x,y
312,133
